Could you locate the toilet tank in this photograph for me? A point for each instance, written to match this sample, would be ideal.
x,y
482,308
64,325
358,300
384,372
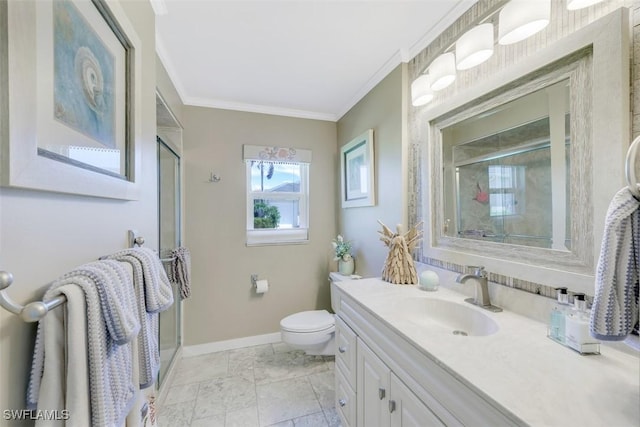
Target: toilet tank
x,y
336,277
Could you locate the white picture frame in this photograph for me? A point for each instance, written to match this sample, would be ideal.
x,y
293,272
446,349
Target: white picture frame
x,y
357,172
45,145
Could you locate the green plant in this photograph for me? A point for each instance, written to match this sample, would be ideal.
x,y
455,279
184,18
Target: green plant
x,y
265,215
341,247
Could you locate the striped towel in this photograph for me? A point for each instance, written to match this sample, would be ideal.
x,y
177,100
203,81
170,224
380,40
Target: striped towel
x,y
153,294
104,288
614,314
180,271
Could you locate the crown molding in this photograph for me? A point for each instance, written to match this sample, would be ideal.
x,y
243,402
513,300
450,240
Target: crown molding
x,y
256,108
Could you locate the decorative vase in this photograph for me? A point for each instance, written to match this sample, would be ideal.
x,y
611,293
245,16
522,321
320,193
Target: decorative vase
x,y
346,265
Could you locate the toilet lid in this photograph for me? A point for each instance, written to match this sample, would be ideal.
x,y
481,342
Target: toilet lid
x,y
308,321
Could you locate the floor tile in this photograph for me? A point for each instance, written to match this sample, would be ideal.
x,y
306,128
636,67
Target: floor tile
x,y
267,385
280,366
287,423
214,421
247,417
182,393
323,384
332,417
242,360
176,415
201,368
281,347
285,400
314,420
222,395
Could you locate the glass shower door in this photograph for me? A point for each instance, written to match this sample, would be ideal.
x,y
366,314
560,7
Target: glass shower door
x,y
169,224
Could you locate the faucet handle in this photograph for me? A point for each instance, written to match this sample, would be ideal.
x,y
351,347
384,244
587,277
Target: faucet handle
x,y
478,270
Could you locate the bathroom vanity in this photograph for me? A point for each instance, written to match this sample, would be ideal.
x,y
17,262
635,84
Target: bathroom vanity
x,y
406,357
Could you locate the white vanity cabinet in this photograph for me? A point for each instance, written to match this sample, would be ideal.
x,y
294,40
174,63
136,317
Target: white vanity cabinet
x,y
345,372
382,398
383,379
407,410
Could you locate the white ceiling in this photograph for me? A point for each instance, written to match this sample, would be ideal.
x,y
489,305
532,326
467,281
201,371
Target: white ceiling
x,y
302,58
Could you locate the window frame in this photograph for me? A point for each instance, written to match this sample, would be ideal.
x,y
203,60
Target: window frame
x,y
278,236
516,189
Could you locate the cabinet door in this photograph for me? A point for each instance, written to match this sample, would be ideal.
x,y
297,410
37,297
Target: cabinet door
x,y
345,400
346,351
373,389
407,410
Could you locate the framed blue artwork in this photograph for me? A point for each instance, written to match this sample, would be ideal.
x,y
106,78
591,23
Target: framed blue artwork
x,y
357,172
72,96
84,80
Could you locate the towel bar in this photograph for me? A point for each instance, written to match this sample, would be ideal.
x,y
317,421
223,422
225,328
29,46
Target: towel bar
x,y
31,312
36,310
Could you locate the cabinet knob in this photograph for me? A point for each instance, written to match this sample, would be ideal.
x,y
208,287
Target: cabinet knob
x,y
381,393
342,349
342,402
392,405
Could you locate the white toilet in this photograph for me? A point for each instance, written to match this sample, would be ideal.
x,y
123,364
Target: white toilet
x,y
312,331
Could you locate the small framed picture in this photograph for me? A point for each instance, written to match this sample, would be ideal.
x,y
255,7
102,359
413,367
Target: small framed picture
x,y
357,172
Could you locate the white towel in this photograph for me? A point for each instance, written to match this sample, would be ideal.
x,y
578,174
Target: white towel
x,y
65,336
153,294
102,376
615,307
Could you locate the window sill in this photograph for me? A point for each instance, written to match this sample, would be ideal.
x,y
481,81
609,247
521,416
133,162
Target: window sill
x,y
296,236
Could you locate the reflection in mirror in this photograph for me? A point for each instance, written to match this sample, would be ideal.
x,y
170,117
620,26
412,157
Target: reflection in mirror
x,y
506,172
514,168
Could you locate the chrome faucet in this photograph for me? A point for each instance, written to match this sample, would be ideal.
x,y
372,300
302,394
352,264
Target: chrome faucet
x,y
482,290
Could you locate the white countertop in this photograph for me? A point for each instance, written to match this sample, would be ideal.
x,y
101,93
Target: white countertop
x,y
538,380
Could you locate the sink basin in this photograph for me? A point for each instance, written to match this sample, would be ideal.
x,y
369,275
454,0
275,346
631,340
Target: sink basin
x,y
448,317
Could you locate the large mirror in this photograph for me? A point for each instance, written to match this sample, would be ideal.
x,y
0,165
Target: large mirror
x,y
519,171
506,172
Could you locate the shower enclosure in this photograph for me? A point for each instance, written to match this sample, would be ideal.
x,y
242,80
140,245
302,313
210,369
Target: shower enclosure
x,y
169,143
169,232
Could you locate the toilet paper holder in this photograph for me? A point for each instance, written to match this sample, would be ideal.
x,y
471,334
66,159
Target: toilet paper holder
x,y
259,286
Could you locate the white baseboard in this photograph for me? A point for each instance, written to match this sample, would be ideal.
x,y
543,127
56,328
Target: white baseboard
x,y
212,347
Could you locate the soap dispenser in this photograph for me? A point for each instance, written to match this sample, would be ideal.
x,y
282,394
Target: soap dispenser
x,y
558,315
577,328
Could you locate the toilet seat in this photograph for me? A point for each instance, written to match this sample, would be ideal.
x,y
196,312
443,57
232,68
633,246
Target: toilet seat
x,y
308,321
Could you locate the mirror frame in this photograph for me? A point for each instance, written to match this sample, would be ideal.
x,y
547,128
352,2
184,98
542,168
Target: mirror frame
x,y
600,132
575,68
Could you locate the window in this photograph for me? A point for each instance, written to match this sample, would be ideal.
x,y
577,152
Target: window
x,y
506,190
277,195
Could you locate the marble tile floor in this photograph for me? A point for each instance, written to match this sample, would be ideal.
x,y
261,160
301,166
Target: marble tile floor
x,y
268,385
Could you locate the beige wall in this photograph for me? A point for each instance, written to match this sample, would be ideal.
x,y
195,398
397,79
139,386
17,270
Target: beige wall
x,y
223,305
43,235
380,110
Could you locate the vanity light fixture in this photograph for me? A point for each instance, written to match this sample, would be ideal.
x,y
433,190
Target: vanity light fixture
x,y
443,71
421,92
579,4
520,19
474,47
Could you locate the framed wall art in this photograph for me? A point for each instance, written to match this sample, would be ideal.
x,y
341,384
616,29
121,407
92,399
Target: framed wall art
x,y
357,174
70,98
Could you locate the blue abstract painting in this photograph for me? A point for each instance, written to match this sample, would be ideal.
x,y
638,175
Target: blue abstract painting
x,y
84,76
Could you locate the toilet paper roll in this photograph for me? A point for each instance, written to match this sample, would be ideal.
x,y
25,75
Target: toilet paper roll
x,y
262,286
